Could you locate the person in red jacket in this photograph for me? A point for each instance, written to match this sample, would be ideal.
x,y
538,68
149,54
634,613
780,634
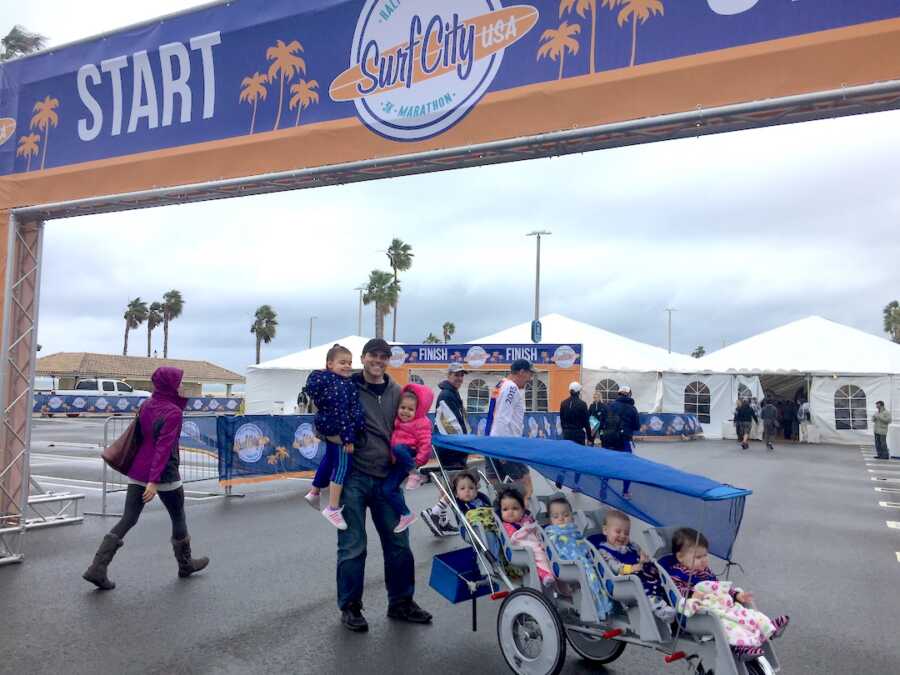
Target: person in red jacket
x,y
411,448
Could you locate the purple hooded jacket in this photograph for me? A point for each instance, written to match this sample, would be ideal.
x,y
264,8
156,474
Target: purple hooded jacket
x,y
160,419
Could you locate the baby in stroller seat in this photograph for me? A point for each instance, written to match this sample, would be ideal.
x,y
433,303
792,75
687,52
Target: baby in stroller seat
x,y
522,530
470,500
570,542
688,565
624,557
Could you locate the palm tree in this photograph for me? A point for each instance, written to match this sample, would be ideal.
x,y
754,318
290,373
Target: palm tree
x,y
254,88
303,96
135,315
892,320
449,329
263,327
172,305
28,146
19,42
154,318
432,339
400,256
382,290
699,351
285,65
638,10
557,42
45,116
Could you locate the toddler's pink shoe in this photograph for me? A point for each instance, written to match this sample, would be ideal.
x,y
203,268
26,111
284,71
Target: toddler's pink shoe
x,y
405,522
312,499
334,517
415,481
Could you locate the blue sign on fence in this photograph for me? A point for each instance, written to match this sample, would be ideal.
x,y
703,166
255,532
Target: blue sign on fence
x,y
51,404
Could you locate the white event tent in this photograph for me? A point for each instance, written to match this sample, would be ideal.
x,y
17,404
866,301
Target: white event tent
x,y
845,370
273,386
660,381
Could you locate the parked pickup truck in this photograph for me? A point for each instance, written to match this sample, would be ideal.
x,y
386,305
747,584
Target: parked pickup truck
x,y
101,387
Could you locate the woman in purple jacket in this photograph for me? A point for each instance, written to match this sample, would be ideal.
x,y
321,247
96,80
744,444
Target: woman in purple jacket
x,y
154,471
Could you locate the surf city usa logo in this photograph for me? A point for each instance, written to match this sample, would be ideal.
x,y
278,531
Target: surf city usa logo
x,y
417,67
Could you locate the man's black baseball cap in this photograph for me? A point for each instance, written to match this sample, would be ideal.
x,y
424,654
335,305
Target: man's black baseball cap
x,y
377,346
521,364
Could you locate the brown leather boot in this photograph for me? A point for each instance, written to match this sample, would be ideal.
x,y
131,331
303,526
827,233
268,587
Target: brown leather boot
x,y
186,564
96,573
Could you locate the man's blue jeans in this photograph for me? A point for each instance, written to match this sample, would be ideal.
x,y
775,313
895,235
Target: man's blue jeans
x,y
362,491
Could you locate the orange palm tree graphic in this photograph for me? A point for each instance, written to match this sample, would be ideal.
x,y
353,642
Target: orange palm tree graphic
x,y
582,7
638,10
303,96
45,117
284,64
28,146
558,42
254,88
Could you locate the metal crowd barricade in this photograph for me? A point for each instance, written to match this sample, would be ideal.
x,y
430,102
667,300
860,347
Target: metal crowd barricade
x,y
197,464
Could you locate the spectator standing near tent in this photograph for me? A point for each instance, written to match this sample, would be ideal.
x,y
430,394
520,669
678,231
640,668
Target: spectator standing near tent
x,y
573,416
597,411
755,432
789,420
769,417
881,418
804,417
622,421
506,417
744,418
450,418
363,489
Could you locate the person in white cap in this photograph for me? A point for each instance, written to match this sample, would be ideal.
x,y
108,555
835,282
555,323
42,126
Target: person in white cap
x,y
573,416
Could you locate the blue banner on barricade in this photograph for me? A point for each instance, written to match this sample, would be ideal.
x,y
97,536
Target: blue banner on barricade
x,y
259,448
199,433
670,425
72,404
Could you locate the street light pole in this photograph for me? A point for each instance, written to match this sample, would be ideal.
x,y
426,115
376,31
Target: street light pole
x,y
310,329
669,310
537,271
361,289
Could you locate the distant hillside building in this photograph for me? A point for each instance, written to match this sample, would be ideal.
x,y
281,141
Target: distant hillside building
x,y
68,367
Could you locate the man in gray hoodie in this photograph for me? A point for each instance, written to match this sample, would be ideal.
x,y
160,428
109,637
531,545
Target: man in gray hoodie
x,y
882,419
363,488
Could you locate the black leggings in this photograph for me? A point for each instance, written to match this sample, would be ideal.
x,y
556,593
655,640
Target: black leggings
x,y
173,500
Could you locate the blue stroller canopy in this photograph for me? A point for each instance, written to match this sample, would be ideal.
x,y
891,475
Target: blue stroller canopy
x,y
660,495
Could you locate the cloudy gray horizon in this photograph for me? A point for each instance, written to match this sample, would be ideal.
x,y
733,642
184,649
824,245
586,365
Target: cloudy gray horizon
x,y
740,232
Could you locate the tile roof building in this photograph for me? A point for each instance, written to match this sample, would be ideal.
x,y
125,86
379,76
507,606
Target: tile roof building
x,y
135,370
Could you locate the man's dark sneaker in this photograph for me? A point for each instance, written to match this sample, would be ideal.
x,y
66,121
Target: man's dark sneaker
x,y
408,610
353,619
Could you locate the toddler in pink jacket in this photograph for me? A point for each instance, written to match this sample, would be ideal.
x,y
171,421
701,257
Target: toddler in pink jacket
x,y
411,448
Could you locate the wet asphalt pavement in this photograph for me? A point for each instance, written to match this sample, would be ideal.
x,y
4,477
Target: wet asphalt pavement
x,y
814,544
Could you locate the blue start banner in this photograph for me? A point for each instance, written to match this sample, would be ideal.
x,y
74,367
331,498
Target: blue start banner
x,y
50,404
405,70
258,448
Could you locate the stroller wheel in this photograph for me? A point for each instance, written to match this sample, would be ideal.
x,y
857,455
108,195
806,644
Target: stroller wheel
x,y
760,666
595,650
530,634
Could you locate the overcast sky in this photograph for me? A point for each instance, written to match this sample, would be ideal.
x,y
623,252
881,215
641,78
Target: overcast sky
x,y
740,232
